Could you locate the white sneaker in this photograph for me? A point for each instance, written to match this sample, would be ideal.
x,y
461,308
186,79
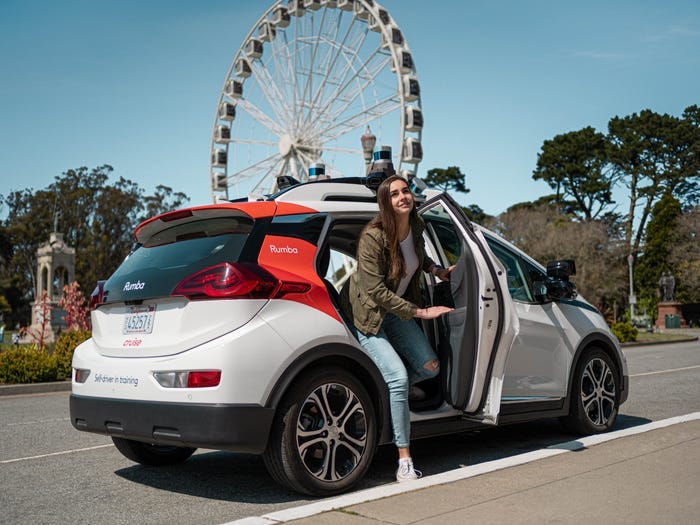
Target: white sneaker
x,y
406,472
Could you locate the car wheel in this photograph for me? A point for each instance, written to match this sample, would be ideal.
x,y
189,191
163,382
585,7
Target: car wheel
x,y
153,455
324,434
595,397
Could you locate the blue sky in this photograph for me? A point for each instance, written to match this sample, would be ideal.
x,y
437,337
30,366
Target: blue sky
x,y
135,84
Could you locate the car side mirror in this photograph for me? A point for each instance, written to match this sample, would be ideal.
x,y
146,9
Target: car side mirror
x,y
557,285
561,269
558,289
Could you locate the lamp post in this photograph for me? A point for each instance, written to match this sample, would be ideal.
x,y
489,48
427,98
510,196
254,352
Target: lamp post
x,y
368,142
632,298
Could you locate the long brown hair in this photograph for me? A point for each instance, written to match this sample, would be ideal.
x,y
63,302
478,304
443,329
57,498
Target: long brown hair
x,y
386,221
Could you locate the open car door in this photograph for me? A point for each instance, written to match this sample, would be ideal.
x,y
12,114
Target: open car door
x,y
477,336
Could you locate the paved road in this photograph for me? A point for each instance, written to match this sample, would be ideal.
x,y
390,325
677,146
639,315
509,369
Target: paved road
x,y
50,473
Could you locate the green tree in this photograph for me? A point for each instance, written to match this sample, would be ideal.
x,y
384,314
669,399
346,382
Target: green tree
x,y
68,204
684,256
95,216
553,202
447,179
476,213
163,200
6,291
575,164
4,307
110,233
545,234
660,237
654,155
452,179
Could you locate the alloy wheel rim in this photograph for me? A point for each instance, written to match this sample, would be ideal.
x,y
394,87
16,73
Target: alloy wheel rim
x,y
598,391
331,432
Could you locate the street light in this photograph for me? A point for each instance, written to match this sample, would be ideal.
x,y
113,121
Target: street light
x,y
368,142
633,298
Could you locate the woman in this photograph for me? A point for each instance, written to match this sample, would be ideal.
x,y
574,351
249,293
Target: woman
x,y
381,300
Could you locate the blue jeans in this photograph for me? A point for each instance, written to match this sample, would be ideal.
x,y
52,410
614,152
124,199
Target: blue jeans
x,y
397,339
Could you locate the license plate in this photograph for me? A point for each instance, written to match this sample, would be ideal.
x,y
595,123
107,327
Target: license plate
x,y
139,319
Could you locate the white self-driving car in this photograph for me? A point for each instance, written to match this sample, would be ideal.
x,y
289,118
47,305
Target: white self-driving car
x,y
221,330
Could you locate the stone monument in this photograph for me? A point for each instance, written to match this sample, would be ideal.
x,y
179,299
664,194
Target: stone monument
x,y
55,269
668,306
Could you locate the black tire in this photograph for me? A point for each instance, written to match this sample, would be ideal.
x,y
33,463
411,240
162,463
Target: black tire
x,y
595,394
324,434
153,455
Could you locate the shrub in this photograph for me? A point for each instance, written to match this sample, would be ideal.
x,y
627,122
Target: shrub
x,y
63,349
73,302
26,364
625,332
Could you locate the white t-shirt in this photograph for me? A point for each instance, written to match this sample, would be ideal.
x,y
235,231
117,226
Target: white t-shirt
x,y
408,249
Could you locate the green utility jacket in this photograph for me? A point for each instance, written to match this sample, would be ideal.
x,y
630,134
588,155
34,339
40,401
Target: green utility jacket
x,y
369,293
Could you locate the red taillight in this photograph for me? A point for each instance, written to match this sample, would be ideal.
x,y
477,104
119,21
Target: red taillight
x,y
228,280
188,378
203,378
97,297
236,280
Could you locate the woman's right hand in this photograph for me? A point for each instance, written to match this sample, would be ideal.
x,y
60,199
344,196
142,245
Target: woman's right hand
x,y
432,312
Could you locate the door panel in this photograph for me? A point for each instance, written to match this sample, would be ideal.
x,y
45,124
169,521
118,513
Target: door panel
x,y
483,324
536,364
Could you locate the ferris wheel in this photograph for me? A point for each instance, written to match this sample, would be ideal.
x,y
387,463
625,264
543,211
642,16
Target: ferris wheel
x,y
314,85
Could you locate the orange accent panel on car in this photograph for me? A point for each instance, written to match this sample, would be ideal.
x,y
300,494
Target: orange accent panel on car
x,y
290,259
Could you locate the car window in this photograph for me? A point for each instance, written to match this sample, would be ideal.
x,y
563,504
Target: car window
x,y
305,226
518,285
156,267
340,267
534,273
445,237
336,262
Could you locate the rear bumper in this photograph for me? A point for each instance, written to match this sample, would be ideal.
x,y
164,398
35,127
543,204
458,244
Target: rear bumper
x,y
239,428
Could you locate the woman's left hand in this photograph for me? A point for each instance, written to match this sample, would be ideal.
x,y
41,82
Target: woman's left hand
x,y
432,312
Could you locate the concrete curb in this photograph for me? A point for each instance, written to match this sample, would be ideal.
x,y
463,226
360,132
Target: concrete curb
x,y
35,388
650,343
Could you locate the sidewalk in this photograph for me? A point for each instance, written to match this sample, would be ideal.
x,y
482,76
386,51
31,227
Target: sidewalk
x,y
649,477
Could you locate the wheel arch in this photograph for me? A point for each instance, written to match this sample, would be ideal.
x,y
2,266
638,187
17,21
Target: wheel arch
x,y
351,359
598,340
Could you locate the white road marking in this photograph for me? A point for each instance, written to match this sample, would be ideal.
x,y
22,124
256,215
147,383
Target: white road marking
x,y
392,489
38,421
3,462
665,371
